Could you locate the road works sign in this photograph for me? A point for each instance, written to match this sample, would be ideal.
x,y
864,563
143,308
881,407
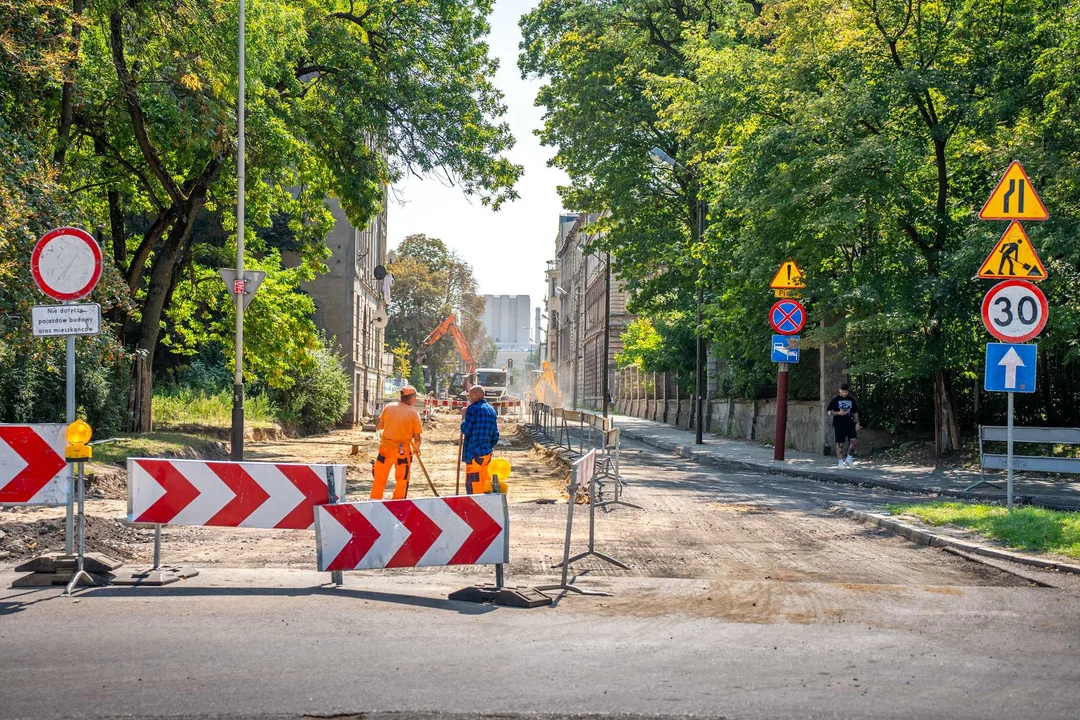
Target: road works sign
x,y
1015,311
229,494
1013,257
788,277
66,263
1014,198
1010,368
787,317
459,530
32,466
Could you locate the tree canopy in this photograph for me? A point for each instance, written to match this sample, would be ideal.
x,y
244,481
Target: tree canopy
x,y
859,138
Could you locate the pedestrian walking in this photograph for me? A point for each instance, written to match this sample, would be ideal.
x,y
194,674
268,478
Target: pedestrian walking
x,y
480,430
401,429
843,410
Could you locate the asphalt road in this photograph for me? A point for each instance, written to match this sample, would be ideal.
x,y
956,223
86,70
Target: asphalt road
x,y
273,643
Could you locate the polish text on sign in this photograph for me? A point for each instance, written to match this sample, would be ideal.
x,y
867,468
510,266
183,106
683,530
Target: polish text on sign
x,y
62,320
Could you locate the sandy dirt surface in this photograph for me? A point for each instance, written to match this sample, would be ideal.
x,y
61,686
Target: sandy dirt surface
x,y
695,524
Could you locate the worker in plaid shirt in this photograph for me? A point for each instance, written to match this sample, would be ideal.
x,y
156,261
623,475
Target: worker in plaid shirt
x,y
480,428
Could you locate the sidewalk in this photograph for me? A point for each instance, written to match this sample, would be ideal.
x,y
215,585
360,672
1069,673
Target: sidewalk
x,y
739,455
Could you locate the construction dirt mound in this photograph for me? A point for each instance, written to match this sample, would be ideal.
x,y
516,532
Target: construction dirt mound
x,y
21,539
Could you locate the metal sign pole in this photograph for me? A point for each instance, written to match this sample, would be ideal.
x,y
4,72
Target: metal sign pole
x,y
69,522
780,440
80,571
238,381
1009,456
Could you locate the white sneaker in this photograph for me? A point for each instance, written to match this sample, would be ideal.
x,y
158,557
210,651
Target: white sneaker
x,y
849,461
840,463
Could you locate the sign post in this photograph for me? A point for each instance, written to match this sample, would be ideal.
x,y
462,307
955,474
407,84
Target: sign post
x,y
787,317
1014,310
66,265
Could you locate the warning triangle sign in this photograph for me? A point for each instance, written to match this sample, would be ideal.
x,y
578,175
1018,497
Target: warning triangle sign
x,y
788,277
1014,198
1013,257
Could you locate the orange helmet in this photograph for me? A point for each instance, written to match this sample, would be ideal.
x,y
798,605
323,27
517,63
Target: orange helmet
x,y
407,391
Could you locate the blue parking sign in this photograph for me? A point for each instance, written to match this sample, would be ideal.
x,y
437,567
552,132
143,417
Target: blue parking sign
x,y
1010,368
785,348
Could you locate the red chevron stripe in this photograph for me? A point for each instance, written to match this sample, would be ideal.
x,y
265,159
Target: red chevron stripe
x,y
484,529
363,536
42,464
315,493
250,495
179,493
423,532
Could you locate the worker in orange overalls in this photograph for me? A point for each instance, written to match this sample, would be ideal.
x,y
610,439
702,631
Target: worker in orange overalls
x,y
401,428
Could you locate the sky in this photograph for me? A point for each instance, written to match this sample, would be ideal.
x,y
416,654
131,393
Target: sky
x,y
507,249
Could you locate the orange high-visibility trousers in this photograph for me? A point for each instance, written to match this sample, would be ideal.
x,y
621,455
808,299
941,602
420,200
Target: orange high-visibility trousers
x,y
397,456
477,475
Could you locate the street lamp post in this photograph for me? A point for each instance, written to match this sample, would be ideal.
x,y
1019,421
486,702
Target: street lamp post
x,y
662,157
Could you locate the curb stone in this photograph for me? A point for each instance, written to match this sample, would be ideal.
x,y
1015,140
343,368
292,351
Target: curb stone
x,y
689,453
922,537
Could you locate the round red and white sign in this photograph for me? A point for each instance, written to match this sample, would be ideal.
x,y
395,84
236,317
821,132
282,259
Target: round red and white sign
x,y
1015,311
66,263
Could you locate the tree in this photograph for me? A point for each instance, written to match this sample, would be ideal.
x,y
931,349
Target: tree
x,y
141,98
431,282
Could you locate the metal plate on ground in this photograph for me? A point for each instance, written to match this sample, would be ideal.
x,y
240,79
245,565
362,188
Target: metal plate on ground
x,y
146,576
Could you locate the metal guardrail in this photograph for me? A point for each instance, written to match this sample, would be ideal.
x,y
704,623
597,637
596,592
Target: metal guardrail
x,y
1029,463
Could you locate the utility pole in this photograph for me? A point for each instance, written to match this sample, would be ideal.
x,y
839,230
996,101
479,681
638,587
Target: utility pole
x,y
238,381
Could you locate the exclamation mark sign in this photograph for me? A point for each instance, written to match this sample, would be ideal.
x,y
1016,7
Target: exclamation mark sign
x,y
789,273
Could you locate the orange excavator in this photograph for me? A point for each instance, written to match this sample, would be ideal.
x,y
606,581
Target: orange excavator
x,y
450,325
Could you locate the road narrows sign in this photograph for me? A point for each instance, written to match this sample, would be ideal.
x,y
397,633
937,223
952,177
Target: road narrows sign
x,y
787,317
66,263
1013,257
1015,311
1014,198
788,277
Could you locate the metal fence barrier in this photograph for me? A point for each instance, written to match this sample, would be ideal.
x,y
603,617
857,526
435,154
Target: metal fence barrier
x,y
1027,463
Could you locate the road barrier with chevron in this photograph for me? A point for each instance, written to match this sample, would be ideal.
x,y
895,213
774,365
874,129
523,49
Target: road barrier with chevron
x,y
459,530
229,494
33,470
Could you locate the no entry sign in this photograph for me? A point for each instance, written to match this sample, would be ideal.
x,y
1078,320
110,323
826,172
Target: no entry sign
x,y
66,263
1015,311
787,316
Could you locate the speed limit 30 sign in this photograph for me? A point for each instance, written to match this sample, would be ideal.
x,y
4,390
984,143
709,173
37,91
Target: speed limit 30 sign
x,y
1015,311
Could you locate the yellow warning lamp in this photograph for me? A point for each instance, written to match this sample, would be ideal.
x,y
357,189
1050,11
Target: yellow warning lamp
x,y
499,468
78,434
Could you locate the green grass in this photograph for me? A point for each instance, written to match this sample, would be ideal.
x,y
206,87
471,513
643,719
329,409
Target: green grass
x,y
1025,528
186,407
154,444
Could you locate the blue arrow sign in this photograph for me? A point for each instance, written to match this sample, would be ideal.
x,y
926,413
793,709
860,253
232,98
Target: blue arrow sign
x,y
1010,368
785,348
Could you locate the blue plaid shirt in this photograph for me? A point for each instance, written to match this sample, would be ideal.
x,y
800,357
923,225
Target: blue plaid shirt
x,y
481,430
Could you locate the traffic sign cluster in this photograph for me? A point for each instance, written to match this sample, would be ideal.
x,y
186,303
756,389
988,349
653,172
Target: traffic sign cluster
x,y
1015,310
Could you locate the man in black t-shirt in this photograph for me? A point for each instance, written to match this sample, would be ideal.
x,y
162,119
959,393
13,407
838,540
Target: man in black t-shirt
x,y
843,409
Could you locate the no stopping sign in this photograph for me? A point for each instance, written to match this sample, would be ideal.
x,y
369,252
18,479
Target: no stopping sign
x,y
1015,311
66,263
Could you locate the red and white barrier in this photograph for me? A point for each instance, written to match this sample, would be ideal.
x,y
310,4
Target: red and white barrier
x,y
33,470
229,494
458,530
